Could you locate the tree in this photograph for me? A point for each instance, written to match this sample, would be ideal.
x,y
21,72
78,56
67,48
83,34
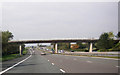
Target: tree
x,y
105,41
6,36
8,48
118,35
64,46
111,35
117,44
81,45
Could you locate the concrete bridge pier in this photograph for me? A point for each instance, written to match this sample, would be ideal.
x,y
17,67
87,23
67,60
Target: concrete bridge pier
x,y
90,48
56,50
20,49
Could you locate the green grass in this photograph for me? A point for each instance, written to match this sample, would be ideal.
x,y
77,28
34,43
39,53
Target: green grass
x,y
24,52
10,57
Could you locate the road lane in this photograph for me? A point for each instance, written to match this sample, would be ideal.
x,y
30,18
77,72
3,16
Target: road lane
x,y
77,64
54,63
7,64
35,64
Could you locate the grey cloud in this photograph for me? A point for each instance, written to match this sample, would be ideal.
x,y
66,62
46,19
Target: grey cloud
x,y
60,20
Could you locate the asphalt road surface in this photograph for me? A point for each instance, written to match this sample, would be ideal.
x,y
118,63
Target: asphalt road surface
x,y
35,64
54,63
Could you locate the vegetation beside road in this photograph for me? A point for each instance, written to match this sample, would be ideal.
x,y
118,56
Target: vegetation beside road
x,y
105,43
13,56
10,50
10,57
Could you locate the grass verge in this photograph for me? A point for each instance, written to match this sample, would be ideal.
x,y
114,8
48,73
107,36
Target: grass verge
x,y
24,52
12,56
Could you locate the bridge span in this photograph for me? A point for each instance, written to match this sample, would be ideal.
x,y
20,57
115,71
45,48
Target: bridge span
x,y
54,40
69,40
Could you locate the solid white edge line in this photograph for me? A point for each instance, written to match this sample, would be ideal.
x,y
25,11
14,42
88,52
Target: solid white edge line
x,y
96,57
53,64
15,64
106,58
62,70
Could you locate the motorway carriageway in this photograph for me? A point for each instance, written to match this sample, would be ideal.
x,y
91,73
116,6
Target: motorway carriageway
x,y
34,62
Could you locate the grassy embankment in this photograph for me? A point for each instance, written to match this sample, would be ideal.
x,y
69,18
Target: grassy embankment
x,y
12,56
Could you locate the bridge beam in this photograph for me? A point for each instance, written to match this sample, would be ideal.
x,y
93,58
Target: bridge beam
x,y
90,48
20,50
56,50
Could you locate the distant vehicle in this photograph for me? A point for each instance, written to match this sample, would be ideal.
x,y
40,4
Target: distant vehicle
x,y
72,51
43,53
60,51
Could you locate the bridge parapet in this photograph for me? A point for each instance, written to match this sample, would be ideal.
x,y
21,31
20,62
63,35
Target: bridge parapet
x,y
57,40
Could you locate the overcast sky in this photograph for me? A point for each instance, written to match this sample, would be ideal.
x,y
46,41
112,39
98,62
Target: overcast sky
x,y
46,20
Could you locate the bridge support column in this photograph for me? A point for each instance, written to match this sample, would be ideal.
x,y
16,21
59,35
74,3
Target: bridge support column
x,y
56,50
90,49
20,50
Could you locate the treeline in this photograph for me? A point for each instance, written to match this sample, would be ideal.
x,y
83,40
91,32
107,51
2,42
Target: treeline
x,y
8,48
105,43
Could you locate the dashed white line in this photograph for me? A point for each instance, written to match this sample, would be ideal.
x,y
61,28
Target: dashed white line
x,y
53,64
15,64
106,58
74,59
62,70
48,60
116,59
89,61
117,66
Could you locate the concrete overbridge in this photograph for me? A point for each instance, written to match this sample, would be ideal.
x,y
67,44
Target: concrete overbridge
x,y
90,41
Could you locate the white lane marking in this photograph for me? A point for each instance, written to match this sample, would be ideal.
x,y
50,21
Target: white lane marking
x,y
118,66
116,59
89,61
74,59
106,58
33,51
53,64
15,64
95,57
48,60
62,70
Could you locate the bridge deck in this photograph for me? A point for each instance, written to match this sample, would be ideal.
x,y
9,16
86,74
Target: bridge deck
x,y
56,40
